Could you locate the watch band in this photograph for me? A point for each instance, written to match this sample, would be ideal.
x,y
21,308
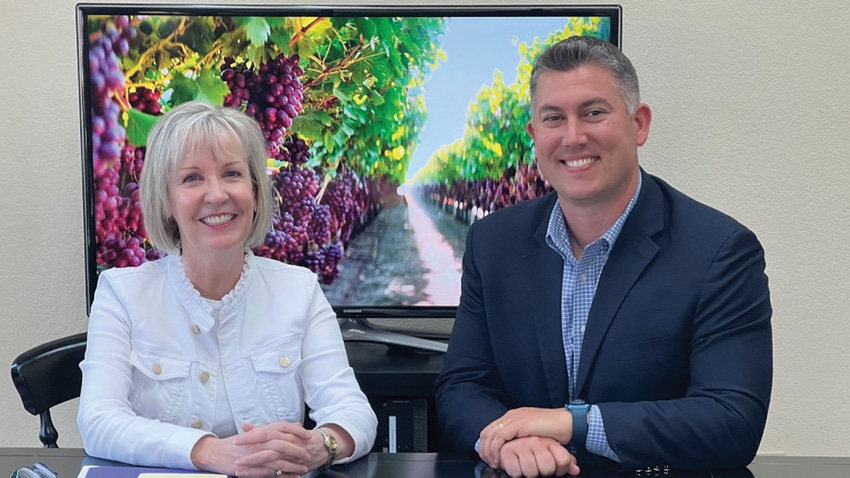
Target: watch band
x,y
579,410
330,446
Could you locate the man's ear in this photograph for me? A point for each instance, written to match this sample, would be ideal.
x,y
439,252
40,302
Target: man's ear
x,y
642,118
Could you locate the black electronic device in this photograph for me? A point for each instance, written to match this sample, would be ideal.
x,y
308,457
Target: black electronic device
x,y
390,130
403,426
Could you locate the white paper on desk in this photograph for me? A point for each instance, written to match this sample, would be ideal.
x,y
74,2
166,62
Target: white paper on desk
x,y
181,475
137,472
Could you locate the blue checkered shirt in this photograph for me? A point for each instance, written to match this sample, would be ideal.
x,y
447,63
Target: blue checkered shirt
x,y
578,287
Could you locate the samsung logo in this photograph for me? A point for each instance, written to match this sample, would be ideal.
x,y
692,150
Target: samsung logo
x,y
353,311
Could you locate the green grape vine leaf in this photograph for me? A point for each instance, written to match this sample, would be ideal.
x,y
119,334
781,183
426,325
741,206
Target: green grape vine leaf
x,y
256,28
310,124
211,88
183,89
138,126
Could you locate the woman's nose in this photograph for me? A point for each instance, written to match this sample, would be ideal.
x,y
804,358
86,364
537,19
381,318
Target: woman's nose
x,y
215,191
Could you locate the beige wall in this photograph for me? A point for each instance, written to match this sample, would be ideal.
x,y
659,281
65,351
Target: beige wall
x,y
751,104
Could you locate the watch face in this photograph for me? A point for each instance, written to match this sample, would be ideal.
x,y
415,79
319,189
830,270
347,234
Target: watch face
x,y
329,440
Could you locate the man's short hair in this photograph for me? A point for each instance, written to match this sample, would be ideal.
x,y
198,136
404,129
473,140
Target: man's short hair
x,y
573,52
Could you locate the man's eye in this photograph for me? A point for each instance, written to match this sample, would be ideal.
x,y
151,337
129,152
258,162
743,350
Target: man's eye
x,y
595,113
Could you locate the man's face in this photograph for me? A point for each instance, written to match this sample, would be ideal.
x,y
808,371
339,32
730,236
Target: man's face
x,y
585,140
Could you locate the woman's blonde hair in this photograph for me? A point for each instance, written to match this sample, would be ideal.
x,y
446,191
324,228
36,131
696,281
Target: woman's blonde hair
x,y
172,137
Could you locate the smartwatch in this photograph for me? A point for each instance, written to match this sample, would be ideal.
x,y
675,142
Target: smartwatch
x,y
579,410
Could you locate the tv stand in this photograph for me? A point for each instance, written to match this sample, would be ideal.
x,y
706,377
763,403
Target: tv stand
x,y
361,331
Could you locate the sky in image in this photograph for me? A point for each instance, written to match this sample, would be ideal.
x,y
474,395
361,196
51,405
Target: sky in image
x,y
475,47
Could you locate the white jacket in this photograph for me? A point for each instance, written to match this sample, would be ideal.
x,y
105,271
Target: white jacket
x,y
151,367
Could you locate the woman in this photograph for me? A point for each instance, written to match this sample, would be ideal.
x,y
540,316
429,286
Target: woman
x,y
205,358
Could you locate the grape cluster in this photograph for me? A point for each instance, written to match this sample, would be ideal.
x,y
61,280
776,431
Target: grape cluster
x,y
306,232
272,95
284,241
348,199
320,224
120,253
295,150
302,229
146,100
132,159
324,261
294,184
488,195
530,182
334,252
116,164
106,80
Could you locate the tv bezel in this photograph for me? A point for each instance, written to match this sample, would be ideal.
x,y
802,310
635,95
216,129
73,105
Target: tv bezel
x,y
84,10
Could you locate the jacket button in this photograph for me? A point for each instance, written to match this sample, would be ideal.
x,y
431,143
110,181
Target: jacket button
x,y
284,362
196,330
196,424
205,376
157,369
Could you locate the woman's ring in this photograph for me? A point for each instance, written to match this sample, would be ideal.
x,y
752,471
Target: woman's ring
x,y
501,425
278,472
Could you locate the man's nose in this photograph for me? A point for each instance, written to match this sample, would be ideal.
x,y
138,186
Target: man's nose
x,y
574,134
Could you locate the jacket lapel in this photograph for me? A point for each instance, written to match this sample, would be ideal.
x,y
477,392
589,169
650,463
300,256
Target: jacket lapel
x,y
631,254
543,277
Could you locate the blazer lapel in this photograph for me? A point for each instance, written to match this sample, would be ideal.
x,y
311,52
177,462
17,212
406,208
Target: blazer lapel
x,y
631,254
543,277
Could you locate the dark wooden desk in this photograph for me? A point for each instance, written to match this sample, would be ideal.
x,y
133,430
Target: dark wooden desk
x,y
67,463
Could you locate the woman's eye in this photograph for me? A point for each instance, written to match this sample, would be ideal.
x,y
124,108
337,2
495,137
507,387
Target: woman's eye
x,y
233,174
191,178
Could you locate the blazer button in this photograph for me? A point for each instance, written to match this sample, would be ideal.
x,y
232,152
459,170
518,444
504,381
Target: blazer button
x,y
205,376
284,362
196,424
196,330
157,369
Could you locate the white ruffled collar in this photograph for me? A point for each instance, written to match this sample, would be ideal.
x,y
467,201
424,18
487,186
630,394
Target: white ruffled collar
x,y
230,297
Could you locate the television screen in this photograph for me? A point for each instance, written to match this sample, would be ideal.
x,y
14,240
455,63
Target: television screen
x,y
389,130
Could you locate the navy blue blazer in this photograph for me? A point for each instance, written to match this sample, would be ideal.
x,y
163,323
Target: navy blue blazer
x,y
677,352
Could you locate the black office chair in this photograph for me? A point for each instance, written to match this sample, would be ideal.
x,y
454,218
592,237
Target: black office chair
x,y
47,375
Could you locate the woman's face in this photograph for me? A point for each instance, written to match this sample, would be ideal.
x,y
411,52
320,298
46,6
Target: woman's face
x,y
211,197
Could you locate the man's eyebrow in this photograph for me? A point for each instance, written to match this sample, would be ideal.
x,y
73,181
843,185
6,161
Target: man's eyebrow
x,y
546,108
596,100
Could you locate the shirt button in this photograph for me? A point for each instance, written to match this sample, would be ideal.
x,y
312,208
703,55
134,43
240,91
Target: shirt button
x,y
205,376
582,328
583,277
196,330
157,369
284,362
196,424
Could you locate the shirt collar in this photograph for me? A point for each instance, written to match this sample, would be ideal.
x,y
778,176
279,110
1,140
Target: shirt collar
x,y
558,234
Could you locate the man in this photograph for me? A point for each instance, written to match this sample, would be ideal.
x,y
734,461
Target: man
x,y
618,317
